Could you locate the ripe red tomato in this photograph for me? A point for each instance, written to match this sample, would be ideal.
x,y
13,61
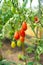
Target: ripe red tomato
x,y
22,33
21,39
16,35
36,19
24,26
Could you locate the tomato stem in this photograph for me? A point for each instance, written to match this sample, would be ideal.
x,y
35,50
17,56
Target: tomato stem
x,y
24,52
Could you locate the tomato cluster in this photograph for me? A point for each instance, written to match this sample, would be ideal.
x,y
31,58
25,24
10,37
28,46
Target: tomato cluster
x,y
20,35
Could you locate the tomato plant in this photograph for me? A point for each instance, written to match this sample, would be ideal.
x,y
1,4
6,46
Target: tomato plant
x,y
14,22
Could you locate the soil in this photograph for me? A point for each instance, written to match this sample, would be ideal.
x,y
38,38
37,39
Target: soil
x,y
12,54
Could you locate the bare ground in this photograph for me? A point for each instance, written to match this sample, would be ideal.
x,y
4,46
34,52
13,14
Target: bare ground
x,y
12,54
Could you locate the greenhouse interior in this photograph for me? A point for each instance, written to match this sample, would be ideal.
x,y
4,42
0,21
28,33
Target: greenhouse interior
x,y
21,32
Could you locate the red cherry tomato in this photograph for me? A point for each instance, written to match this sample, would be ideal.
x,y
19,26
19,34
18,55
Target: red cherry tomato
x,y
22,33
36,19
24,26
22,39
16,35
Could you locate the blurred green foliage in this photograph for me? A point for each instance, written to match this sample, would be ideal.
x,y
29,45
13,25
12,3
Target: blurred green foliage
x,y
12,16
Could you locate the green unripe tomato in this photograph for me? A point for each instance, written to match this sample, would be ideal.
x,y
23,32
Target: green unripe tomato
x,y
19,43
13,44
19,57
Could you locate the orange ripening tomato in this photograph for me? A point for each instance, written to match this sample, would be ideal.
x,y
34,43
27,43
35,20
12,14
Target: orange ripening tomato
x,y
21,39
22,33
24,26
16,35
36,19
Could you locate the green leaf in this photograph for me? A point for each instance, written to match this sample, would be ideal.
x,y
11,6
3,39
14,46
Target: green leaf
x,y
30,63
24,3
29,50
5,62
